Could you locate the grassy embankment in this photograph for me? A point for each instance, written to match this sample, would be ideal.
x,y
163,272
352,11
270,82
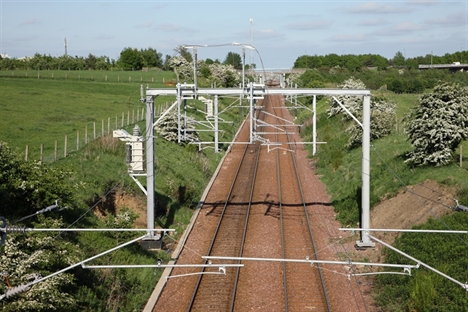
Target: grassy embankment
x,y
40,111
341,171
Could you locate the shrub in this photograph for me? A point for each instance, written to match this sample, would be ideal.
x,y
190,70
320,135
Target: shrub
x,y
437,125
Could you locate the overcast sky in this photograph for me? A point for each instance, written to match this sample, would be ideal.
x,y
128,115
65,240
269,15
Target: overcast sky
x,y
280,30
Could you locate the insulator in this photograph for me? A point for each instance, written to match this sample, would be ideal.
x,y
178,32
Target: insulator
x,y
16,290
15,229
136,130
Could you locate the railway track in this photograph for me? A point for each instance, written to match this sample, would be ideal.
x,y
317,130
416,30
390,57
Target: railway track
x,y
256,211
303,287
211,292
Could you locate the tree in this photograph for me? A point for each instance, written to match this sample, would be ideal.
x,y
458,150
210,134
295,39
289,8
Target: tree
x,y
26,187
27,258
183,52
91,61
437,125
399,59
151,58
233,59
382,113
130,59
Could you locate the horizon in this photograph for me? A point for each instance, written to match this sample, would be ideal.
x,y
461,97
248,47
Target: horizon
x,y
281,32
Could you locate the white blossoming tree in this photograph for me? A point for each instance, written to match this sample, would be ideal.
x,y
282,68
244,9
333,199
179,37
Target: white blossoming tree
x,y
437,125
26,258
382,113
168,129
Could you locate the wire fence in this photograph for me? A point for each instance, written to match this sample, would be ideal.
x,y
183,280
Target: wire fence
x,y
73,142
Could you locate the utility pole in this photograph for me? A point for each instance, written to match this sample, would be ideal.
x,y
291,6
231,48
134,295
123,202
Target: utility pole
x,y
65,44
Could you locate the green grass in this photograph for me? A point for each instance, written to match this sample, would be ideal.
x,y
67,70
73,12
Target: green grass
x,y
341,172
40,111
389,173
155,77
36,112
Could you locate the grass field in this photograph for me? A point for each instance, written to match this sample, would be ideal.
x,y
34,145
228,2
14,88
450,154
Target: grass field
x,y
41,111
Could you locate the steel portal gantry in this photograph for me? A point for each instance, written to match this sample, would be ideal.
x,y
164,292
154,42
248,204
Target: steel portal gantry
x,y
252,92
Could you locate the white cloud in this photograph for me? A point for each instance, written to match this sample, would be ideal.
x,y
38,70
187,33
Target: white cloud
x,y
422,2
376,8
350,38
372,22
311,25
31,21
454,19
173,28
403,28
145,25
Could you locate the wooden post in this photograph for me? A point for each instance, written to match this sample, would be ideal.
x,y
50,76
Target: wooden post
x,y
26,153
41,157
116,121
129,79
77,140
106,77
94,129
55,151
102,127
108,125
65,147
128,118
86,135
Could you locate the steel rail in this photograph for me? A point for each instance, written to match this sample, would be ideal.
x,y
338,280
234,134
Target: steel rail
x,y
236,280
280,204
212,244
306,213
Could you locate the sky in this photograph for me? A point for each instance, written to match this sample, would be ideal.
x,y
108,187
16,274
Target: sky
x,y
280,31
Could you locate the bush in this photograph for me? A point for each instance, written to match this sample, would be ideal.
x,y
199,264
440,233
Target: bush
x,y
437,125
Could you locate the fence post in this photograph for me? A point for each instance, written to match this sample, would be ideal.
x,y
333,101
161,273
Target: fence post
x,y
86,135
41,157
77,140
26,153
108,125
133,117
102,127
123,118
128,118
115,121
55,151
65,147
94,129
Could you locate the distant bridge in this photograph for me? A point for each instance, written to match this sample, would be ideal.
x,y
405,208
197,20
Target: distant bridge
x,y
454,67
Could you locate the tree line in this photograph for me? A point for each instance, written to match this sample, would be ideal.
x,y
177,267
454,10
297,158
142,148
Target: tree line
x,y
358,62
129,59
